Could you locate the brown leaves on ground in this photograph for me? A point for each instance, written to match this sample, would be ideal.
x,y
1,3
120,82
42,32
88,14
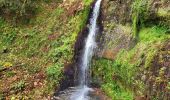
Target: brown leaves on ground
x,y
72,6
11,85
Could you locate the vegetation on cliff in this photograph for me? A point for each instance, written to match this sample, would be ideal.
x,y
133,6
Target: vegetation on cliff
x,y
129,64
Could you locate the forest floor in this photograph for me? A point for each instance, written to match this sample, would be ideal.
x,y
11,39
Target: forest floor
x,y
34,53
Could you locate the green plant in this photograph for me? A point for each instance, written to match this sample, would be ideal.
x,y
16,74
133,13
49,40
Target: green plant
x,y
47,40
54,72
116,92
150,57
8,34
2,23
140,13
115,76
48,1
2,96
168,87
153,34
18,7
63,46
10,74
19,86
87,2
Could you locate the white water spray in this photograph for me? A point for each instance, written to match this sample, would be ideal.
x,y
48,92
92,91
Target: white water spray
x,y
90,44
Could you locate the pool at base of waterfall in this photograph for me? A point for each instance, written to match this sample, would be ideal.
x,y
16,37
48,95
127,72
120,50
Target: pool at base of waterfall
x,y
81,93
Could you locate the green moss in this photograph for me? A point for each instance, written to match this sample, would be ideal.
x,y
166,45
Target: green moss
x,y
63,46
163,12
87,2
118,77
153,34
135,26
116,92
54,73
140,13
113,75
150,56
120,74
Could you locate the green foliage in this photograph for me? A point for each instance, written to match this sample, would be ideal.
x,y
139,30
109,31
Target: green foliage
x,y
2,22
58,11
63,46
48,1
7,34
18,7
120,74
124,69
19,86
53,73
48,39
33,69
163,12
21,12
87,2
116,92
140,13
2,96
153,34
150,56
9,37
115,77
10,74
103,69
168,87
118,77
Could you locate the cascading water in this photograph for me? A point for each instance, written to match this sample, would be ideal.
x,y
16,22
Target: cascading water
x,y
90,44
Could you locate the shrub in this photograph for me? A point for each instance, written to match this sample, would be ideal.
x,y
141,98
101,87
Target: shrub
x,y
53,73
18,7
19,86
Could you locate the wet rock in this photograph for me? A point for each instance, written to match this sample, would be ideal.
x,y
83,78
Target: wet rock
x,y
110,54
68,80
115,38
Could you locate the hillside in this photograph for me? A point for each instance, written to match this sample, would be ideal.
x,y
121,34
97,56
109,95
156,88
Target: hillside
x,y
41,43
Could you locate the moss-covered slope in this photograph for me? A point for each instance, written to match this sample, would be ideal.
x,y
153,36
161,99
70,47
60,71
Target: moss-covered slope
x,y
32,55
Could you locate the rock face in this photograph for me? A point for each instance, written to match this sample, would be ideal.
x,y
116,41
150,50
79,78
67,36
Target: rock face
x,y
158,75
116,28
117,21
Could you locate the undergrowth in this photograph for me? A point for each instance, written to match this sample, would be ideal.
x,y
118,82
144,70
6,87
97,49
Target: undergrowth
x,y
140,13
43,46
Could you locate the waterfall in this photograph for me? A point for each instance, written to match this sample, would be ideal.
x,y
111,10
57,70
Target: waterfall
x,y
90,44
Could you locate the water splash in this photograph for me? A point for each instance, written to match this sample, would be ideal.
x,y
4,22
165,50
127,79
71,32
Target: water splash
x,y
81,93
90,44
